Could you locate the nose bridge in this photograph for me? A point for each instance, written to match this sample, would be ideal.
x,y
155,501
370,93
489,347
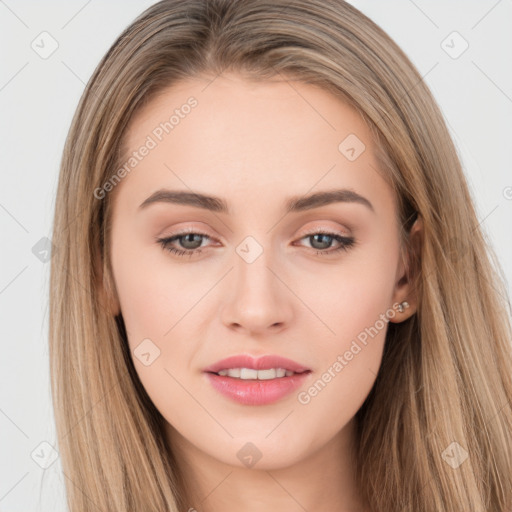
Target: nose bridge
x,y
252,264
258,299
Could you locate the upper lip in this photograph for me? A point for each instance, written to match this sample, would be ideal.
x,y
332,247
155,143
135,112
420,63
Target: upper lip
x,y
256,363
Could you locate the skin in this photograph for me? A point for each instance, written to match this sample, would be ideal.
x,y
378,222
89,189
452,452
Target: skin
x,y
255,145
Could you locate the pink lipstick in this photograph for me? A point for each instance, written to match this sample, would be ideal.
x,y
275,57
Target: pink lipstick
x,y
256,381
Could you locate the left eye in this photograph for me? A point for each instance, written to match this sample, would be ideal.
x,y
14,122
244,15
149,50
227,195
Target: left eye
x,y
191,241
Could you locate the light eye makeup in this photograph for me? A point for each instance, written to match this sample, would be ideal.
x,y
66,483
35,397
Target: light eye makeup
x,y
316,236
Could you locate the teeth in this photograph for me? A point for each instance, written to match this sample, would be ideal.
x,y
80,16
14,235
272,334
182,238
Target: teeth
x,y
249,373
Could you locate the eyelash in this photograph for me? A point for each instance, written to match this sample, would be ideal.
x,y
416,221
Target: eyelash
x,y
346,242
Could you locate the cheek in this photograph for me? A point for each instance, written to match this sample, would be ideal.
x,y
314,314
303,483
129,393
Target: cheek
x,y
157,301
351,294
348,366
146,303
153,293
355,304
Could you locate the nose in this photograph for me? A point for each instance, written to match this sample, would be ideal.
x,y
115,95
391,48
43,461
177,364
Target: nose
x,y
258,298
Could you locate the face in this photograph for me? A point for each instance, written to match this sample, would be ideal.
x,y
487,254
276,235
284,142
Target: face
x,y
268,267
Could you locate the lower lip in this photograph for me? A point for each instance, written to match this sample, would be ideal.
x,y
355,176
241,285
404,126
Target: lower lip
x,y
256,392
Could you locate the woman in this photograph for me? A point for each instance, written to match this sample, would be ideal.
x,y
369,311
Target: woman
x,y
271,289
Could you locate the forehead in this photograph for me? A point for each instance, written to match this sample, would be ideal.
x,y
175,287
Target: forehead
x,y
228,134
230,101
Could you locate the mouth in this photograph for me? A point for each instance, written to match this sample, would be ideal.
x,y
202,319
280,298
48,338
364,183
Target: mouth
x,y
244,366
256,381
252,374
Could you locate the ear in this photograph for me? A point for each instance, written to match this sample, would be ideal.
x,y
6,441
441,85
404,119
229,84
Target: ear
x,y
405,289
107,295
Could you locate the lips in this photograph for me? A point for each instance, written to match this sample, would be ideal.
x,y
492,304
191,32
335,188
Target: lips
x,y
263,390
261,363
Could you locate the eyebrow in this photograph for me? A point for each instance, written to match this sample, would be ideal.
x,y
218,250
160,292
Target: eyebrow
x,y
292,205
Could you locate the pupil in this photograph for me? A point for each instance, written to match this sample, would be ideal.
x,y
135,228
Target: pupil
x,y
189,238
326,244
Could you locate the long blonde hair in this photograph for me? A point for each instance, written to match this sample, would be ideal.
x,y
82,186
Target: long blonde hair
x,y
446,371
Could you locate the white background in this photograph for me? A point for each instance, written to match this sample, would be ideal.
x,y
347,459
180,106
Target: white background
x,y
37,100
